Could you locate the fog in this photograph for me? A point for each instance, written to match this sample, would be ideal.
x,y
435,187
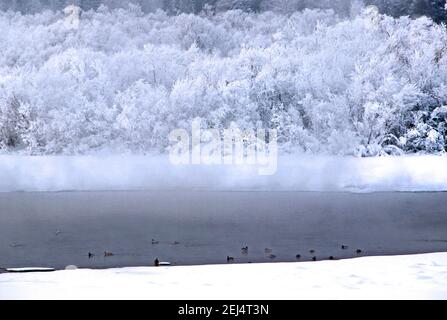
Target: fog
x,y
295,173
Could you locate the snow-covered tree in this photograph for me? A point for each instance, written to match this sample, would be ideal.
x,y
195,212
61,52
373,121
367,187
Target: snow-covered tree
x,y
362,84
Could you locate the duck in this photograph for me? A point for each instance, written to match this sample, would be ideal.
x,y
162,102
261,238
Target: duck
x,y
90,255
16,245
312,251
156,262
298,256
108,254
244,250
230,259
331,258
343,247
314,259
272,256
358,251
155,242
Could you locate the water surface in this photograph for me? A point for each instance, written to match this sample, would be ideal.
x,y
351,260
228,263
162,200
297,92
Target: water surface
x,y
60,229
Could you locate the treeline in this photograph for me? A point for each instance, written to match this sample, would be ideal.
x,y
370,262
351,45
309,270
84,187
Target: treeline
x,y
434,9
364,85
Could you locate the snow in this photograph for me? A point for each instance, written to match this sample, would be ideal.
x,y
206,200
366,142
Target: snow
x,y
399,277
295,173
327,83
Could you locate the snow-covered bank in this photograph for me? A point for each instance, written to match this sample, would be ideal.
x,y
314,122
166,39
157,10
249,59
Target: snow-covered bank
x,y
401,277
303,173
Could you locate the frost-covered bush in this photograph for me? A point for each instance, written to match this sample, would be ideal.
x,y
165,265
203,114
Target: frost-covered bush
x,y
365,85
15,123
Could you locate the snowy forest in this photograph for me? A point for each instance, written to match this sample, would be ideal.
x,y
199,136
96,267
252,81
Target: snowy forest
x,y
431,8
332,76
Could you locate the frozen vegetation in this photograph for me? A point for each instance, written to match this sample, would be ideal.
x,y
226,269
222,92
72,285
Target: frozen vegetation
x,y
414,8
403,277
355,83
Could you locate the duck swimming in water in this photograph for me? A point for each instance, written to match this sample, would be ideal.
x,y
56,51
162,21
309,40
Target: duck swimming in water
x,y
230,259
155,242
244,250
108,254
156,262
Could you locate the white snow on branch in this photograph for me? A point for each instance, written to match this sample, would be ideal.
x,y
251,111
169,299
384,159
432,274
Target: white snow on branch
x,y
122,80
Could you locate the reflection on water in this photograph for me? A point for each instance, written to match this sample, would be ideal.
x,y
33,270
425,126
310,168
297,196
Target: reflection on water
x,y
60,229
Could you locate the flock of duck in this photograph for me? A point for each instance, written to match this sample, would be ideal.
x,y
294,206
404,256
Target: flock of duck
x,y
230,259
111,254
244,251
269,253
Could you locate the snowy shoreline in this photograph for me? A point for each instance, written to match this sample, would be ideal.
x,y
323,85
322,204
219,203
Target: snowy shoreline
x,y
398,277
295,173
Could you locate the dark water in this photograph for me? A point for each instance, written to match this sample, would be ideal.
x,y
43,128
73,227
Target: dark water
x,y
59,229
